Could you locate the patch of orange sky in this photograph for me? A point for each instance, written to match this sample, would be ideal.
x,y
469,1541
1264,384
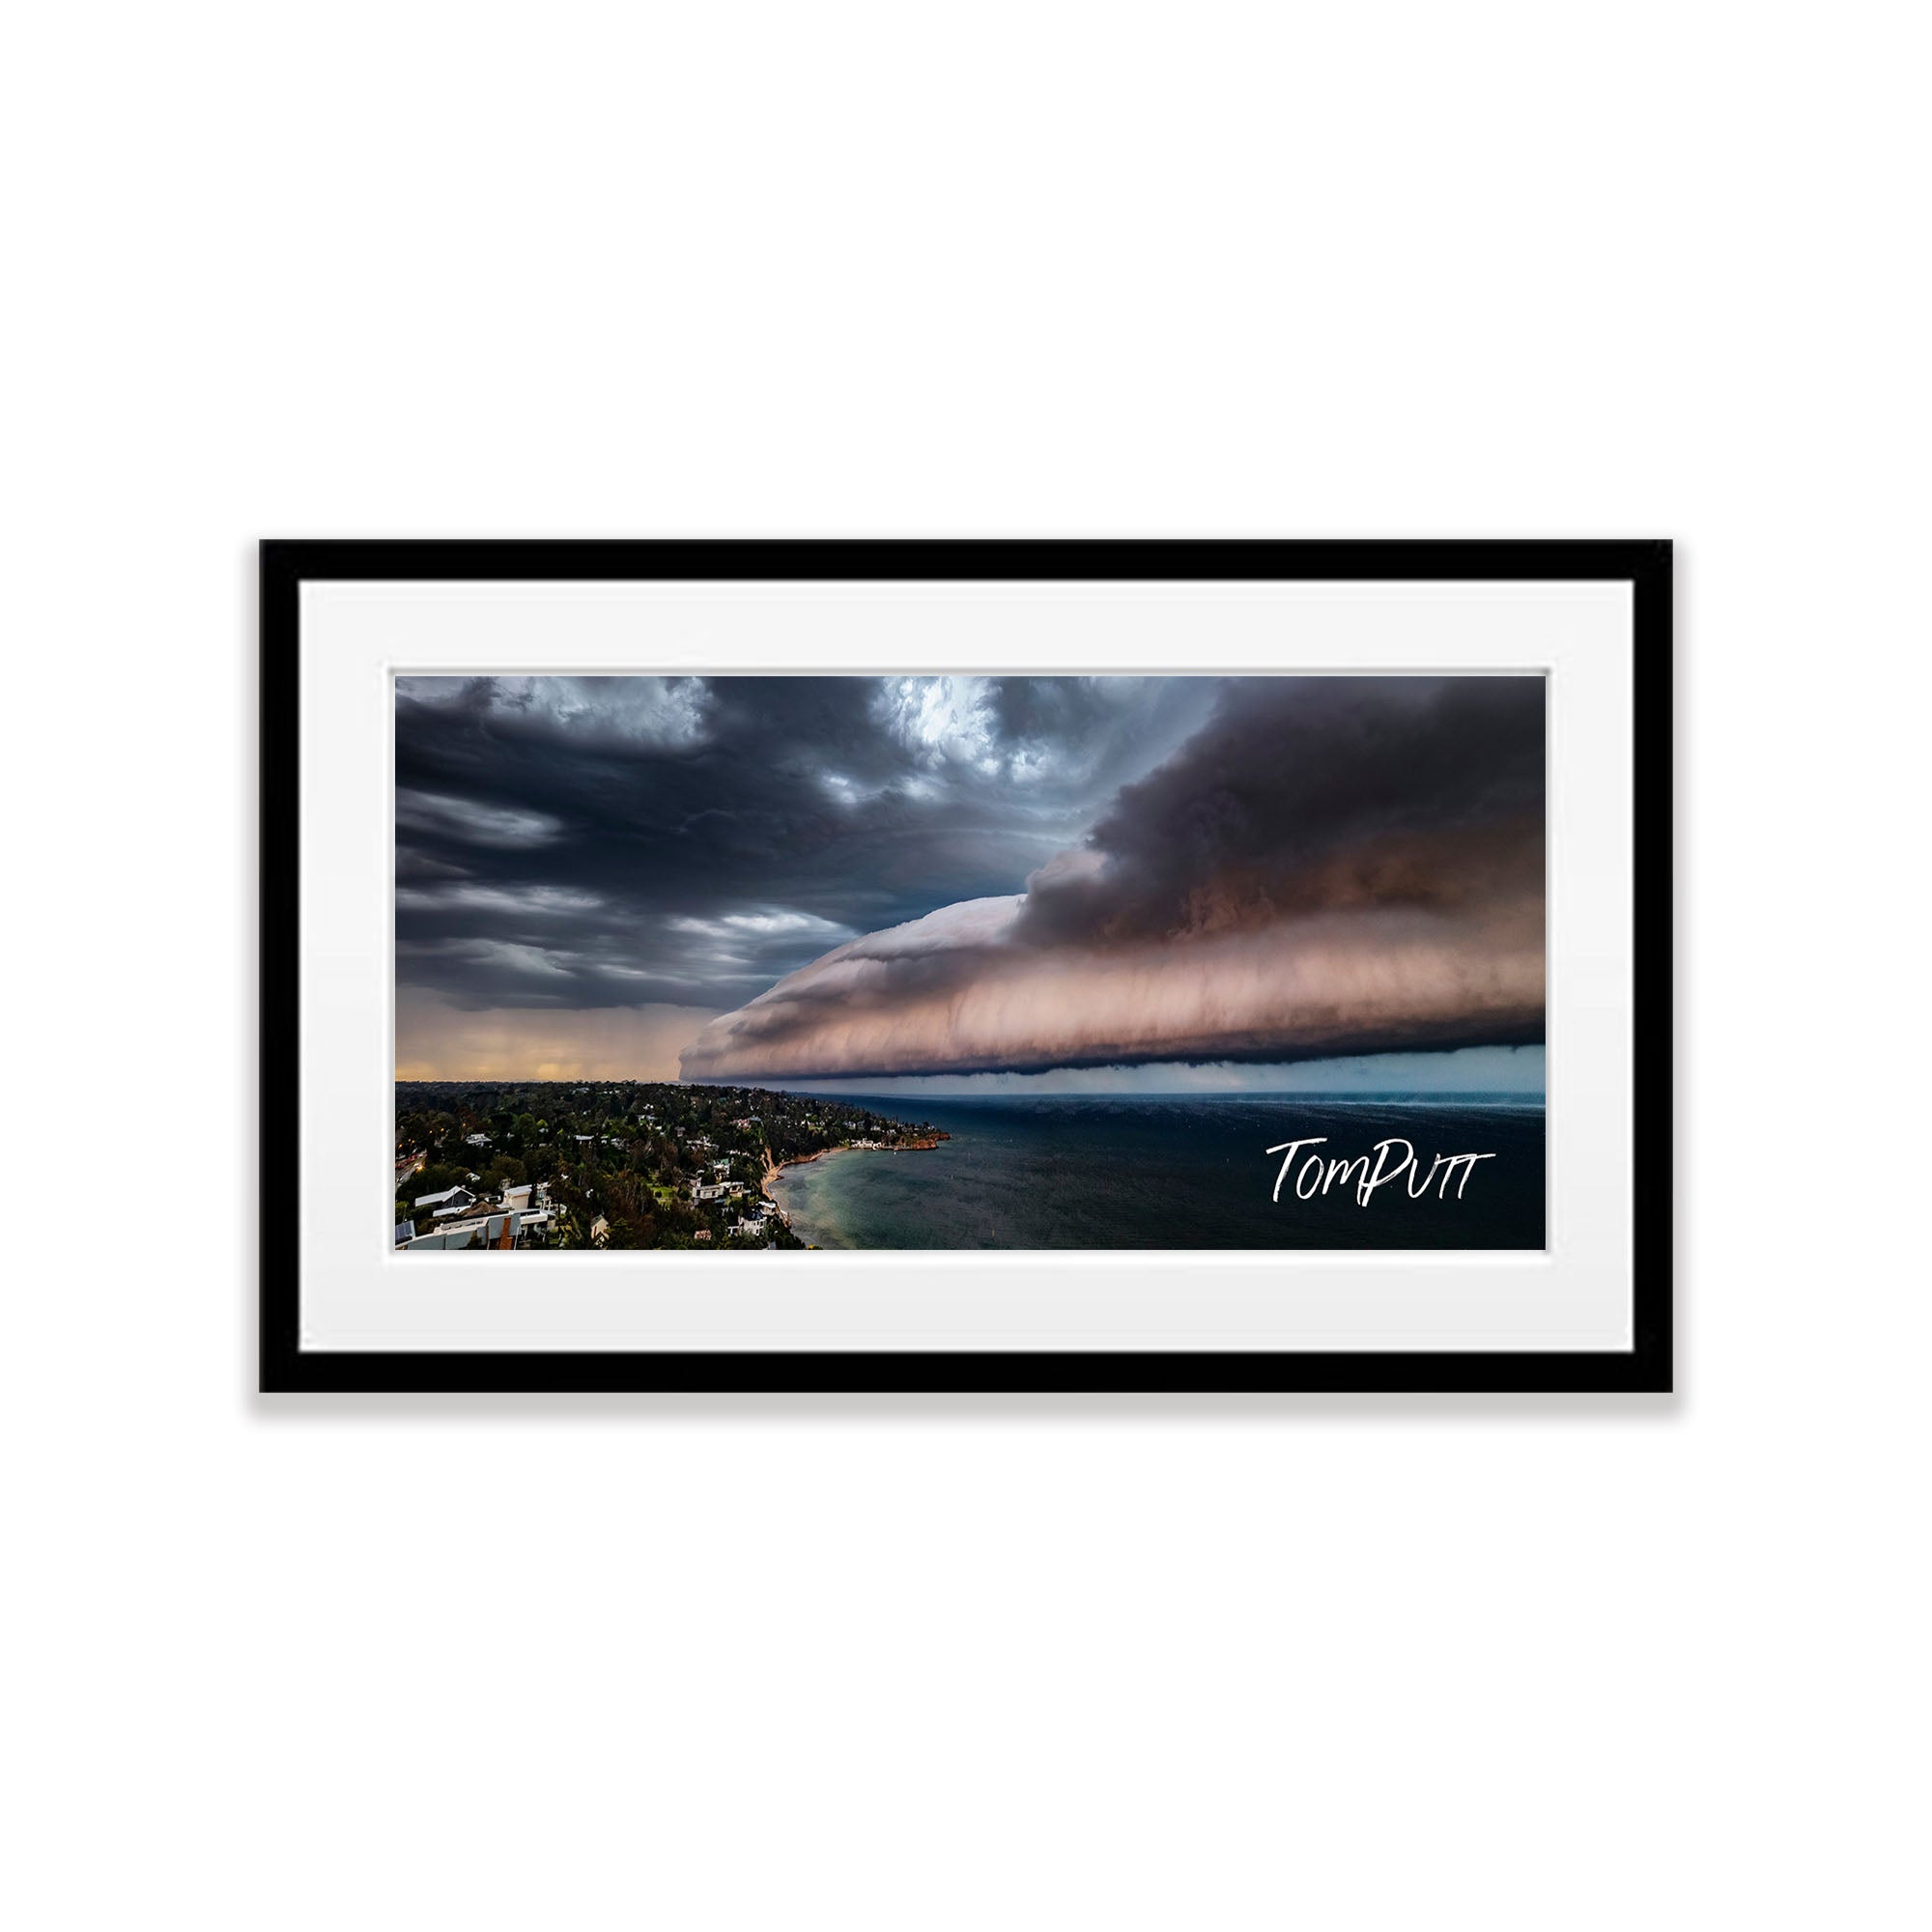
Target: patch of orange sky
x,y
435,1041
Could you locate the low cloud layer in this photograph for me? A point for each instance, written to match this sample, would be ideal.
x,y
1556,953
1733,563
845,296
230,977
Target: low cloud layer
x,y
1502,1072
1326,867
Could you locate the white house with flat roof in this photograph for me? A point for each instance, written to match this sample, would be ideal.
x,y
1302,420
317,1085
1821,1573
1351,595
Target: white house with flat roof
x,y
484,1231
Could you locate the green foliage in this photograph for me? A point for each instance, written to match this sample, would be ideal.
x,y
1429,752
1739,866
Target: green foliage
x,y
504,1172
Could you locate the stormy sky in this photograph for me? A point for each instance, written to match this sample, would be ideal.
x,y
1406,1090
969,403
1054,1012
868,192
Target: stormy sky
x,y
807,879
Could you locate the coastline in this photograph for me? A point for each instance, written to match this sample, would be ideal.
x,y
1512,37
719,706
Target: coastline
x,y
774,1168
1189,1171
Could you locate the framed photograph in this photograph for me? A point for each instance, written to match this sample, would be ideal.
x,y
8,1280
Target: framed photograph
x,y
1163,966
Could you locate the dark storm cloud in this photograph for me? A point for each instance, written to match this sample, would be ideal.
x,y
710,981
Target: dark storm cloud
x,y
1327,865
594,842
1310,795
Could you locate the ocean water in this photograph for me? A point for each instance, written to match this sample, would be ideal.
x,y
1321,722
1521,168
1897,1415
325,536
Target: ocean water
x,y
1177,1173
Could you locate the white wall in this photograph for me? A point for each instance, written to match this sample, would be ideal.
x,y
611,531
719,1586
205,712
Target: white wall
x,y
1020,269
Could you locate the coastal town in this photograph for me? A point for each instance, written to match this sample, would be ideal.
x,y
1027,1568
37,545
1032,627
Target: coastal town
x,y
500,1166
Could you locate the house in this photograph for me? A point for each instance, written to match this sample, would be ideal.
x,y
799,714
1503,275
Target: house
x,y
405,1233
485,1231
706,1192
703,1234
599,1227
451,1201
475,1140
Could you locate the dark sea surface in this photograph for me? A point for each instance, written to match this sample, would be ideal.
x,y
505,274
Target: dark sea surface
x,y
1182,1172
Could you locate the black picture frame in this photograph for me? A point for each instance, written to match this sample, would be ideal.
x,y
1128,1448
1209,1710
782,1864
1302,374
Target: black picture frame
x,y
285,1366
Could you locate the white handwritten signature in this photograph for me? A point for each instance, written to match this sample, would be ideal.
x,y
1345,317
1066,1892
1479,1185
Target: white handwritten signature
x,y
1316,1175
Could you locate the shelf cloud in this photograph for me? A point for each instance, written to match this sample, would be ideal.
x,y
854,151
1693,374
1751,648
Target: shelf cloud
x,y
1324,866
